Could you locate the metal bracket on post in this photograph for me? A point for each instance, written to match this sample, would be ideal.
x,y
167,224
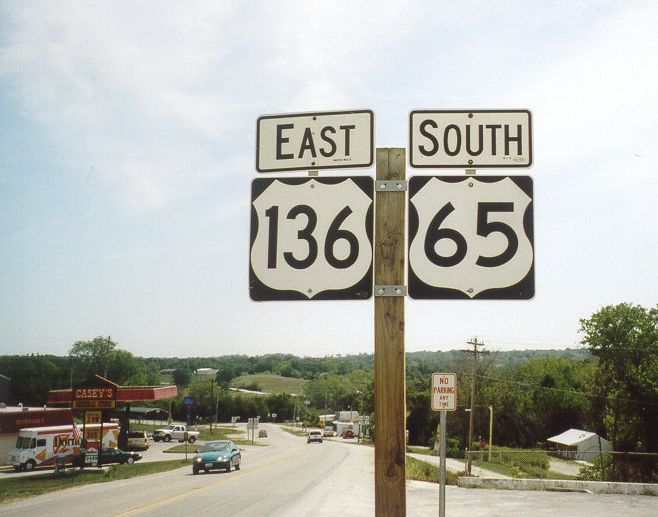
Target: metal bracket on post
x,y
390,290
390,185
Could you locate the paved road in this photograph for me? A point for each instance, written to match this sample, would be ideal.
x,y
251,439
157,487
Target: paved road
x,y
290,477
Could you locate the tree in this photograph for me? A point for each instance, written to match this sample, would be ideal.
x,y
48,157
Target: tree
x,y
624,338
225,374
126,369
102,356
283,405
182,377
33,376
93,356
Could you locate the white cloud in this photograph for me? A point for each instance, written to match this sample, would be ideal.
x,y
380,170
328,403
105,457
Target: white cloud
x,y
155,105
136,94
156,96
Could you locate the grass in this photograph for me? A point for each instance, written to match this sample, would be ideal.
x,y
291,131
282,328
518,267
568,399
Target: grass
x,y
220,433
293,430
270,383
420,450
146,427
499,468
192,448
518,463
422,471
38,484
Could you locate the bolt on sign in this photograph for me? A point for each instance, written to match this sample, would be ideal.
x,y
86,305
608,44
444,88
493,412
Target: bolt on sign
x,y
444,392
470,138
311,141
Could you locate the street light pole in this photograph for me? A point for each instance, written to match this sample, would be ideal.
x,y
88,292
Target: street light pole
x,y
212,396
217,410
490,430
360,411
306,403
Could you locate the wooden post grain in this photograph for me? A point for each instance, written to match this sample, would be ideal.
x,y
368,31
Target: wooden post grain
x,y
390,411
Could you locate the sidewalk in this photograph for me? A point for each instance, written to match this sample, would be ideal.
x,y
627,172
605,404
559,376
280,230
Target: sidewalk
x,y
458,466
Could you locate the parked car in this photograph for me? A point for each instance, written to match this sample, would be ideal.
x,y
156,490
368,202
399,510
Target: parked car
x,y
216,454
314,436
110,455
138,440
348,434
328,431
262,433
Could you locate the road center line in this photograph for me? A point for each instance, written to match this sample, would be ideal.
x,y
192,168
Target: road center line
x,y
197,490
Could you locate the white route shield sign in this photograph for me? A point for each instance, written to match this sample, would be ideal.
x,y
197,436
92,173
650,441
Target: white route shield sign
x,y
471,237
311,239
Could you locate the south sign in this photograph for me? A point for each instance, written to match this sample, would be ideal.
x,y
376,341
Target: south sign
x,y
470,139
311,141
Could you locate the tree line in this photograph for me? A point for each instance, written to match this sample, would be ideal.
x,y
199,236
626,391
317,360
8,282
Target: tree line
x,y
609,386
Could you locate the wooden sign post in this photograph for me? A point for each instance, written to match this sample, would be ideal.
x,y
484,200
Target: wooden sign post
x,y
390,412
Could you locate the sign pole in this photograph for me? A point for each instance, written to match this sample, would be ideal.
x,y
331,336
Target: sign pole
x,y
100,441
442,467
389,251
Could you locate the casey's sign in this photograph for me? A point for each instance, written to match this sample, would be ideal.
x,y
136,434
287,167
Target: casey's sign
x,y
95,393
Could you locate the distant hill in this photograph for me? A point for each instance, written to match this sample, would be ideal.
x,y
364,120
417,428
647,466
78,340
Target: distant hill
x,y
269,383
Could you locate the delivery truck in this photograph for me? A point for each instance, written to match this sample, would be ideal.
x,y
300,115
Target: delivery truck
x,y
38,446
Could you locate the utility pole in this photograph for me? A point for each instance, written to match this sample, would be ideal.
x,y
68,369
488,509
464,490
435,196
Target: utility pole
x,y
474,343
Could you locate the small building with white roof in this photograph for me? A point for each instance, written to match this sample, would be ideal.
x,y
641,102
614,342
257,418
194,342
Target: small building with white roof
x,y
576,444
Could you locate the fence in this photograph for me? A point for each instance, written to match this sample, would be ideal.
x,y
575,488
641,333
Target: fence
x,y
541,464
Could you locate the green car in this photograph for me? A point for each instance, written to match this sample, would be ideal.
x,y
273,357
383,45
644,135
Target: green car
x,y
217,454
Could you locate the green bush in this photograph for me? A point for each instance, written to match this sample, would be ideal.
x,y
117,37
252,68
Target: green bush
x,y
601,469
453,450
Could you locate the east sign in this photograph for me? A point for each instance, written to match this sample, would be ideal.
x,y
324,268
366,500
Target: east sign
x,y
470,139
311,141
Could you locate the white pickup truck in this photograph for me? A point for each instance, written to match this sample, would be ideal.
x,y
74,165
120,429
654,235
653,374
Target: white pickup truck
x,y
175,432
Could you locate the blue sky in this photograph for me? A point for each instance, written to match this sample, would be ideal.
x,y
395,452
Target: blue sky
x,y
127,149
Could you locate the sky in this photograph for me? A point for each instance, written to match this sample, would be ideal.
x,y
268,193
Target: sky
x,y
127,152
